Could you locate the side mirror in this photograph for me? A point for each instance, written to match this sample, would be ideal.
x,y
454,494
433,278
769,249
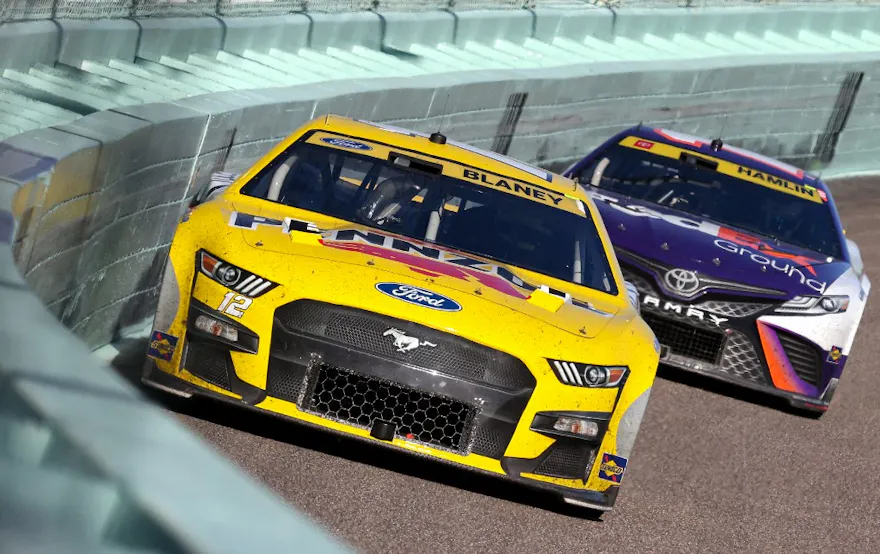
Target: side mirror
x,y
219,182
855,255
633,293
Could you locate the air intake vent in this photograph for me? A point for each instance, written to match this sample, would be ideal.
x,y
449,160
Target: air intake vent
x,y
802,355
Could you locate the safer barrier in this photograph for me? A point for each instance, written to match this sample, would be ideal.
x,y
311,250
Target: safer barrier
x,y
97,200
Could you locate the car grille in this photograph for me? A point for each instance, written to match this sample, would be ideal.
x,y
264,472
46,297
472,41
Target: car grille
x,y
740,359
732,309
348,397
209,363
802,356
686,340
491,437
567,460
285,380
723,308
364,330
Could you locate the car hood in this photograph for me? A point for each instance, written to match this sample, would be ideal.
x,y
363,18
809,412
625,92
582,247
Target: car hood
x,y
464,279
725,259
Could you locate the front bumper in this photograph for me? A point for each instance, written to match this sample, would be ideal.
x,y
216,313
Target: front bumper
x,y
727,340
346,382
165,382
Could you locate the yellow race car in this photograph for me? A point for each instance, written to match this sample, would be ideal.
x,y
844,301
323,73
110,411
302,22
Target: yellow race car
x,y
417,292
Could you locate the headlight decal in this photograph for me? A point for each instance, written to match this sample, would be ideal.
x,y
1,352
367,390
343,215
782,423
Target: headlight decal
x,y
588,375
233,277
815,305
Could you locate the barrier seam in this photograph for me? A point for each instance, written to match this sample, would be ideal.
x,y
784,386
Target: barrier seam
x,y
86,319
118,219
90,240
141,170
132,255
63,203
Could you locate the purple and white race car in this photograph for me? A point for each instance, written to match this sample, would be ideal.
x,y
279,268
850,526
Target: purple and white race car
x,y
740,261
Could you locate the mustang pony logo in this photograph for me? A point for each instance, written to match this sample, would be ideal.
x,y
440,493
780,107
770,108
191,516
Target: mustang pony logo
x,y
403,343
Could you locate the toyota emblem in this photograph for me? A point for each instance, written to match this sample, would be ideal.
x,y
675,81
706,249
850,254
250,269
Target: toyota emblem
x,y
682,281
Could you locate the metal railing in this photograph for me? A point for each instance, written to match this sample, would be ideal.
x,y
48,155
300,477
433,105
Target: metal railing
x,y
719,3
25,10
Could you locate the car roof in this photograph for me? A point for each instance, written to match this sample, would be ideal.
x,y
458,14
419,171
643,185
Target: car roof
x,y
728,153
464,154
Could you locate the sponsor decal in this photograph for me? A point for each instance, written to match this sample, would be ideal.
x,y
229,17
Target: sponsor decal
x,y
162,346
286,225
682,281
791,270
834,355
346,143
433,262
767,248
645,144
419,296
612,468
682,309
823,196
404,343
530,191
656,345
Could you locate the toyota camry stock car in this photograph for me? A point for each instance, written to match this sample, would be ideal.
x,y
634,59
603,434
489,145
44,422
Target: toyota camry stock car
x,y
743,269
415,292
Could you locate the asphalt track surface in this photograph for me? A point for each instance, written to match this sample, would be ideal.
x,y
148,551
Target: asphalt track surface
x,y
714,469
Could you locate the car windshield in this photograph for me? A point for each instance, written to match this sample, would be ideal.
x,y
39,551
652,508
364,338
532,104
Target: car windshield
x,y
692,185
411,197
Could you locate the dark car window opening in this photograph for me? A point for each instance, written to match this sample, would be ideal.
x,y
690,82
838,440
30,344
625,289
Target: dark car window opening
x,y
698,190
413,200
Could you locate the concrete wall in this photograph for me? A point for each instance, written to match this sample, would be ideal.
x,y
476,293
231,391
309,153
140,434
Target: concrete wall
x,y
88,207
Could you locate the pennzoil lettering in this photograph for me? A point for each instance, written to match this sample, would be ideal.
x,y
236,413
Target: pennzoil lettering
x,y
512,186
288,224
683,309
776,181
400,245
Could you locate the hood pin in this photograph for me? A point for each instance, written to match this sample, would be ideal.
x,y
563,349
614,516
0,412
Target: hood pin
x,y
664,246
622,227
716,261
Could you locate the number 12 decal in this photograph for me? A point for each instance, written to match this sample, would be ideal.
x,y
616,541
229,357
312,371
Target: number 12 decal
x,y
234,304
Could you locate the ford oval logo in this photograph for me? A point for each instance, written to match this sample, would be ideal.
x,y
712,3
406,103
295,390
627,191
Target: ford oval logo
x,y
422,297
346,143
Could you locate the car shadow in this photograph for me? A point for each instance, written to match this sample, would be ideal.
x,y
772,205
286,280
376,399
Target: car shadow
x,y
129,362
722,388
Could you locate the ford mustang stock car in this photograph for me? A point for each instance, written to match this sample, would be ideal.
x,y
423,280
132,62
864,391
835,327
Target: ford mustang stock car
x,y
423,294
743,269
